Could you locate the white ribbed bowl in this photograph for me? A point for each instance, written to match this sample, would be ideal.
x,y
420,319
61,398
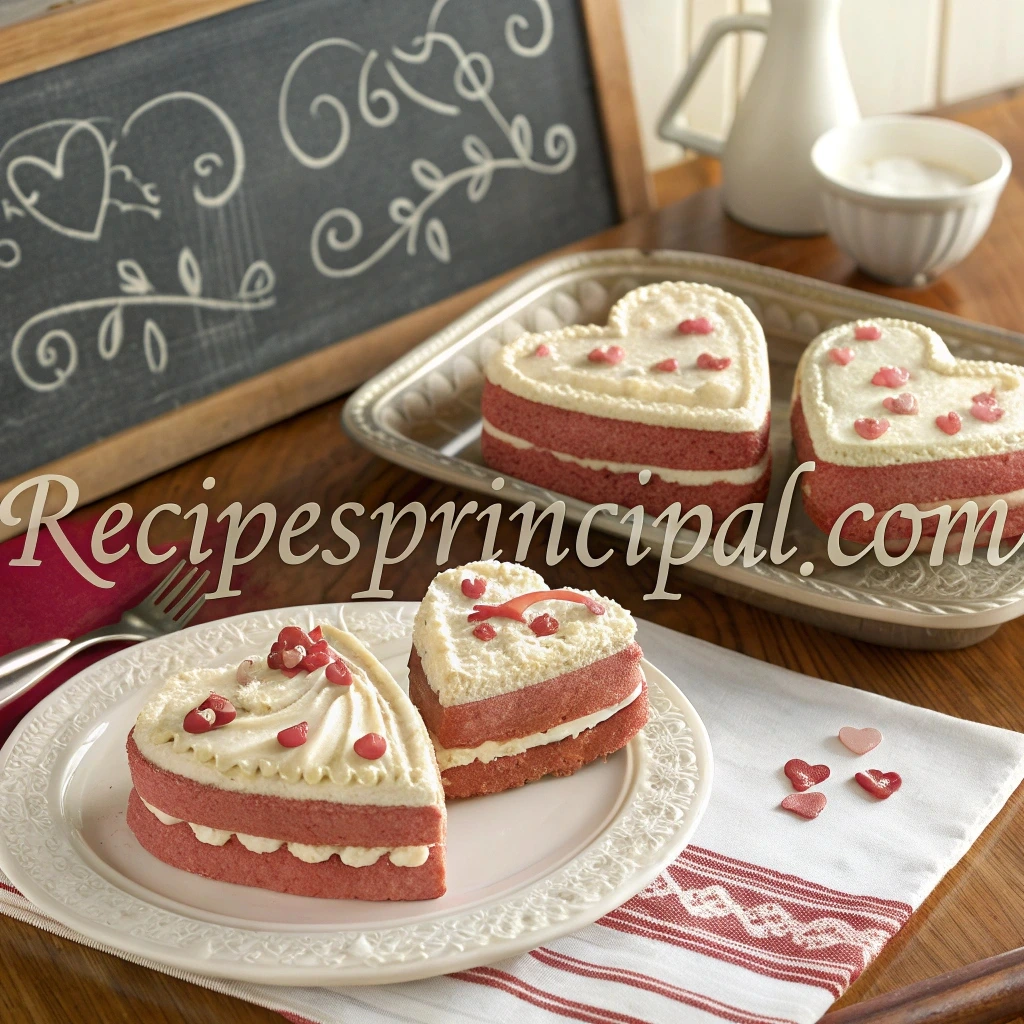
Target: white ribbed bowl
x,y
909,239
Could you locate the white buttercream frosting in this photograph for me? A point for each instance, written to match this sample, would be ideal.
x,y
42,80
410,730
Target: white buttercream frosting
x,y
461,668
645,324
835,396
245,755
353,856
453,757
683,477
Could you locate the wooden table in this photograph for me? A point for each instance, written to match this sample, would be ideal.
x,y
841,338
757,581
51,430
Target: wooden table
x,y
977,910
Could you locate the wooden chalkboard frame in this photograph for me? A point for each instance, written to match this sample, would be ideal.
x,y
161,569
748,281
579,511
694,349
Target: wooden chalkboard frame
x,y
198,427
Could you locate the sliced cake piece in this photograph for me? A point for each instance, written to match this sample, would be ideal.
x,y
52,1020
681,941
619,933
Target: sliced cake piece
x,y
306,771
676,384
516,681
889,416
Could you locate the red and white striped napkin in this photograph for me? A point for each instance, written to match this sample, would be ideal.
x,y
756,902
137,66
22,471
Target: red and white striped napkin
x,y
766,918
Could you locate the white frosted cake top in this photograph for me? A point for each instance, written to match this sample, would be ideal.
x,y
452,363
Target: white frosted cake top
x,y
903,398
643,369
461,667
247,755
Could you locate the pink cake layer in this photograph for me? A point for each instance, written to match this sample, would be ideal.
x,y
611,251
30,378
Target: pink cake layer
x,y
624,489
532,709
611,440
831,489
281,871
562,758
314,822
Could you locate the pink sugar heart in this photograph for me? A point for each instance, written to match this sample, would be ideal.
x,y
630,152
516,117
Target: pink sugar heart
x,y
891,376
949,423
611,355
879,784
871,429
804,775
986,413
807,805
842,356
867,332
706,361
667,365
700,325
904,404
859,741
542,350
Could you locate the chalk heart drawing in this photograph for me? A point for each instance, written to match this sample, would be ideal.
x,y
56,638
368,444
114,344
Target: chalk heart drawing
x,y
46,363
340,230
94,152
83,146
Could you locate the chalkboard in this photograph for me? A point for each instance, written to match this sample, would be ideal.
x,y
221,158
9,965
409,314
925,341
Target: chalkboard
x,y
195,208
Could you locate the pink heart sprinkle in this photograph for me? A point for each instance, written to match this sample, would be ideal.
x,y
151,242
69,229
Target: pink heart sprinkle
x,y
542,350
804,775
706,361
293,656
859,741
986,413
986,398
842,356
879,784
891,377
667,365
612,355
904,404
871,429
948,424
807,805
701,325
474,587
867,332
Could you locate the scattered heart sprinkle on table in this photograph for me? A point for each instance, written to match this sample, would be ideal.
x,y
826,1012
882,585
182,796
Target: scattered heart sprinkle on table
x,y
860,741
878,784
807,805
804,775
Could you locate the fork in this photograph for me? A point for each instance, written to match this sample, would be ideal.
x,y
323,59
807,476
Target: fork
x,y
159,614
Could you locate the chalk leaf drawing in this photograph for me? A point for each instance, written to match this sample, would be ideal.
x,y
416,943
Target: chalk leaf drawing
x,y
340,231
45,354
72,191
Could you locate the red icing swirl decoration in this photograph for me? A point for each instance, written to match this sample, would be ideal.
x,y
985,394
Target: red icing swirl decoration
x,y
515,608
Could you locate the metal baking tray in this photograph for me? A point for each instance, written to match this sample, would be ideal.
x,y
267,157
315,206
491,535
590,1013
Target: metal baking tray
x,y
423,412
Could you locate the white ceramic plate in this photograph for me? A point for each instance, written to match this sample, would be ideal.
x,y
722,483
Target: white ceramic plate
x,y
523,867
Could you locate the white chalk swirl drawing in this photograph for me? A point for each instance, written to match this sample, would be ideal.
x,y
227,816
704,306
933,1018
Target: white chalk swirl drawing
x,y
56,351
44,353
340,230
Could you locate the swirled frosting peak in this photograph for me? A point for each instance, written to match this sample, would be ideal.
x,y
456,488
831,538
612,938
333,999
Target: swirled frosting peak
x,y
247,752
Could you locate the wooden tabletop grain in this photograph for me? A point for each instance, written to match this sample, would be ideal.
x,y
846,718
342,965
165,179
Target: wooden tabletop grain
x,y
976,911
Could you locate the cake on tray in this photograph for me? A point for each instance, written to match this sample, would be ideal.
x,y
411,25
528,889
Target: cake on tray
x,y
890,417
676,384
306,771
516,681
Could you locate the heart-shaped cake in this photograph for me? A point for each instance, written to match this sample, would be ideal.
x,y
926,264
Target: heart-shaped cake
x,y
516,681
306,771
676,384
895,418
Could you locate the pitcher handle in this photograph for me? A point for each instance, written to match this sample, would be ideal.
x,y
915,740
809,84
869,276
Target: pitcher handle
x,y
668,129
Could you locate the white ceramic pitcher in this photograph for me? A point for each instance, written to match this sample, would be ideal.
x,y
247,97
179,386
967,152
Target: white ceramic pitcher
x,y
801,89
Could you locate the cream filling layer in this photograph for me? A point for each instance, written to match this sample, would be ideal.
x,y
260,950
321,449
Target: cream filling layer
x,y
353,856
454,757
685,477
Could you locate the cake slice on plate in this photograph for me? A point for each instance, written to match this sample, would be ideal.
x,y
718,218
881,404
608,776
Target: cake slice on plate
x,y
675,388
306,771
516,681
890,417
